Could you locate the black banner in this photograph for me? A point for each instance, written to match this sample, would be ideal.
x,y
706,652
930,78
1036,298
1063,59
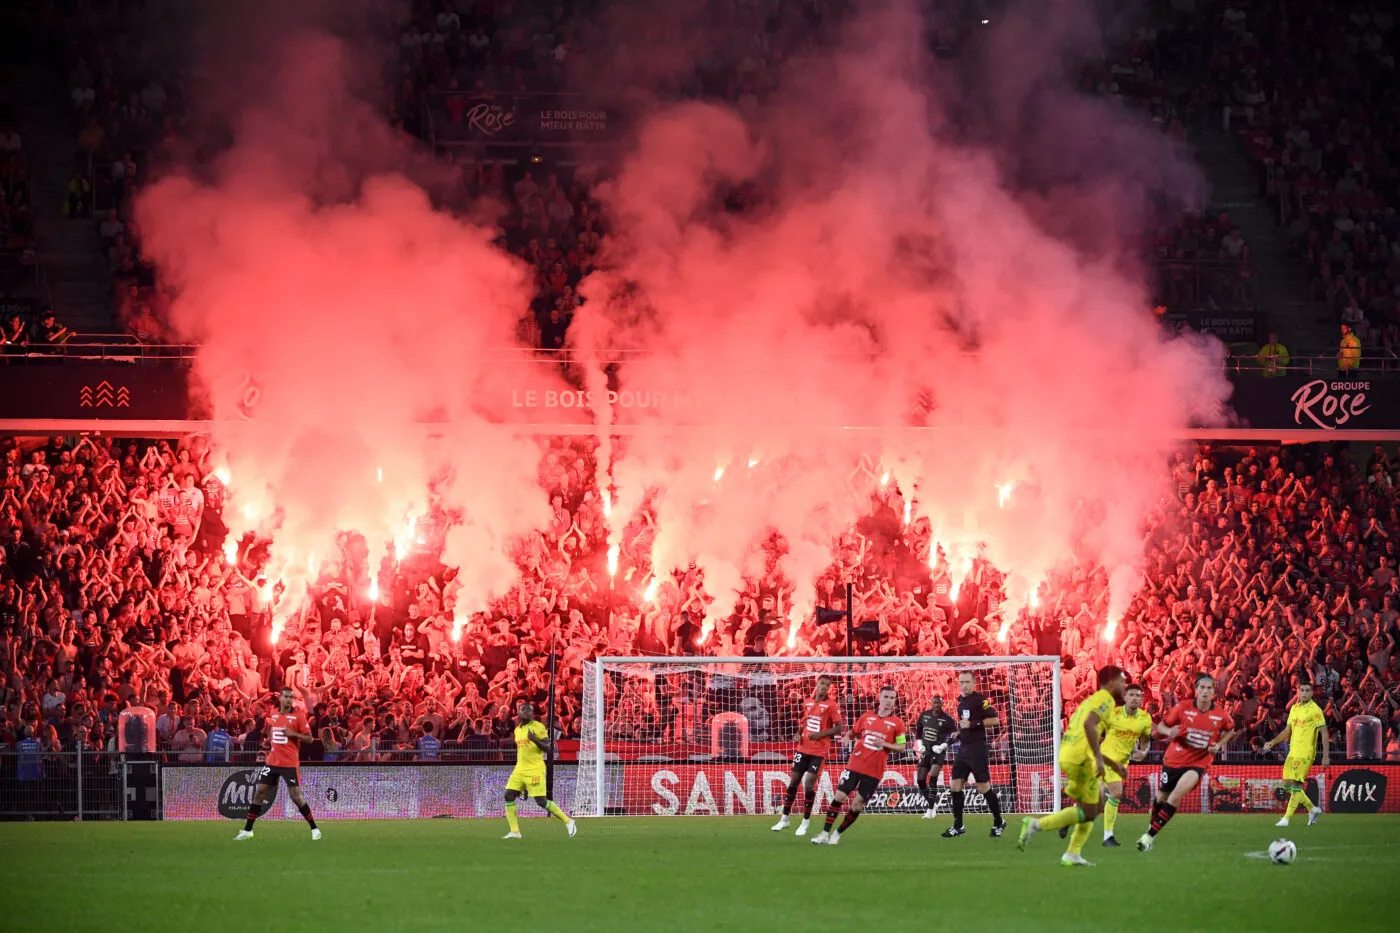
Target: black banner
x,y
73,390
1294,401
59,389
522,119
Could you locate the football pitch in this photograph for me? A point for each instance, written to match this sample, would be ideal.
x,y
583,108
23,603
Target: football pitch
x,y
890,873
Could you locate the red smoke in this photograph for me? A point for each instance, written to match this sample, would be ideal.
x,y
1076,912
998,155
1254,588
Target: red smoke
x,y
887,261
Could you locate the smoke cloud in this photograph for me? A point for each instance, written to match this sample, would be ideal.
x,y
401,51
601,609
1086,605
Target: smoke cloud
x,y
938,280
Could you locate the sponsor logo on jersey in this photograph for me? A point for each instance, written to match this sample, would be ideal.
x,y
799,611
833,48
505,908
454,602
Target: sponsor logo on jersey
x,y
1358,790
236,793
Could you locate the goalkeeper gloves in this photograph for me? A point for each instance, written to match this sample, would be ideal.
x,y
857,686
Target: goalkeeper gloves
x,y
940,749
919,748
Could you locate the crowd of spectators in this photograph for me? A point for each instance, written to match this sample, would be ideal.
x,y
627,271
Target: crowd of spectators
x,y
129,112
117,588
1311,90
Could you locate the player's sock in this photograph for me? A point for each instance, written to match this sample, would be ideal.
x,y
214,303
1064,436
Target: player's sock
x,y
1156,808
254,811
1069,816
808,804
556,811
512,818
846,823
1110,816
1080,835
1161,818
958,808
831,815
791,797
994,804
306,815
928,794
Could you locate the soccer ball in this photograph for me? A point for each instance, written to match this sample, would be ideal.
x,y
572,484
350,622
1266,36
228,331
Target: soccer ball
x,y
1282,852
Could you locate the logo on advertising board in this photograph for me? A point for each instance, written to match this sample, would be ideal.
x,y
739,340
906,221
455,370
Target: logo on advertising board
x,y
1358,790
236,793
1330,405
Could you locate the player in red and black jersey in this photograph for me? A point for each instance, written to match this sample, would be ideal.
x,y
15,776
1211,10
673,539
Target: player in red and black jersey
x,y
286,730
1196,732
874,736
821,719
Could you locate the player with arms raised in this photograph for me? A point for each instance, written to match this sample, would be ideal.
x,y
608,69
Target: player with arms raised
x,y
1197,730
1127,739
528,777
1305,721
286,730
1082,760
821,719
874,735
975,717
935,730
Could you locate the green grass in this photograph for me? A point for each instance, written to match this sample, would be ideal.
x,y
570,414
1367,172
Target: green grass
x,y
675,874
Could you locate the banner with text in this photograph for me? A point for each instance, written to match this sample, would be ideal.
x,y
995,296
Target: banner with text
x,y
1345,788
1295,401
531,392
353,791
523,119
751,789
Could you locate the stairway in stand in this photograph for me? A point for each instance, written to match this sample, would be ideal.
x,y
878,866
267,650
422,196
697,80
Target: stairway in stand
x,y
71,251
1282,280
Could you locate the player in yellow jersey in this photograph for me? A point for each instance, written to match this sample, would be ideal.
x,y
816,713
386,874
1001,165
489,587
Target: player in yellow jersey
x,y
1127,739
1305,721
1082,760
531,742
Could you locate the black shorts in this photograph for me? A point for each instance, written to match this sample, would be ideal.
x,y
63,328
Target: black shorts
x,y
1172,776
972,761
862,784
803,764
931,760
267,774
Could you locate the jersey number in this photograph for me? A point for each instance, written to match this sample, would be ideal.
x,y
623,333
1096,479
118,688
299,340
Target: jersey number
x,y
279,735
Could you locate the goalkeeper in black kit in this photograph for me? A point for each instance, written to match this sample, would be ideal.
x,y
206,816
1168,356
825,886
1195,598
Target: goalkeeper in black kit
x,y
935,730
975,717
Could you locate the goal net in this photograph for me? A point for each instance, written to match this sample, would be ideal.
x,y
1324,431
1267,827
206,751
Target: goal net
x,y
715,736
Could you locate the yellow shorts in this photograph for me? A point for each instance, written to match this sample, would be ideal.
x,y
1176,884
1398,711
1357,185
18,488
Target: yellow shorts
x,y
1083,780
529,783
1110,774
1296,769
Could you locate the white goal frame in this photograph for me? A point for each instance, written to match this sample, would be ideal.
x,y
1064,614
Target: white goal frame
x,y
598,740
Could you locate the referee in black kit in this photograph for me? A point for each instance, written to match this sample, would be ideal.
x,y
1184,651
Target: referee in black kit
x,y
975,717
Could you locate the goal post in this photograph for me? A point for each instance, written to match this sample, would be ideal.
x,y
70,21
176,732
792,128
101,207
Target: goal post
x,y
714,736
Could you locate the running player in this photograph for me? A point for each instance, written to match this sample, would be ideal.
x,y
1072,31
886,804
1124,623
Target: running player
x,y
1197,731
1305,721
286,730
975,717
821,719
875,735
1127,740
531,742
935,730
1082,760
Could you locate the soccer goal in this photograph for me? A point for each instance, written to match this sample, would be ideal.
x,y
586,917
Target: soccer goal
x,y
714,736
